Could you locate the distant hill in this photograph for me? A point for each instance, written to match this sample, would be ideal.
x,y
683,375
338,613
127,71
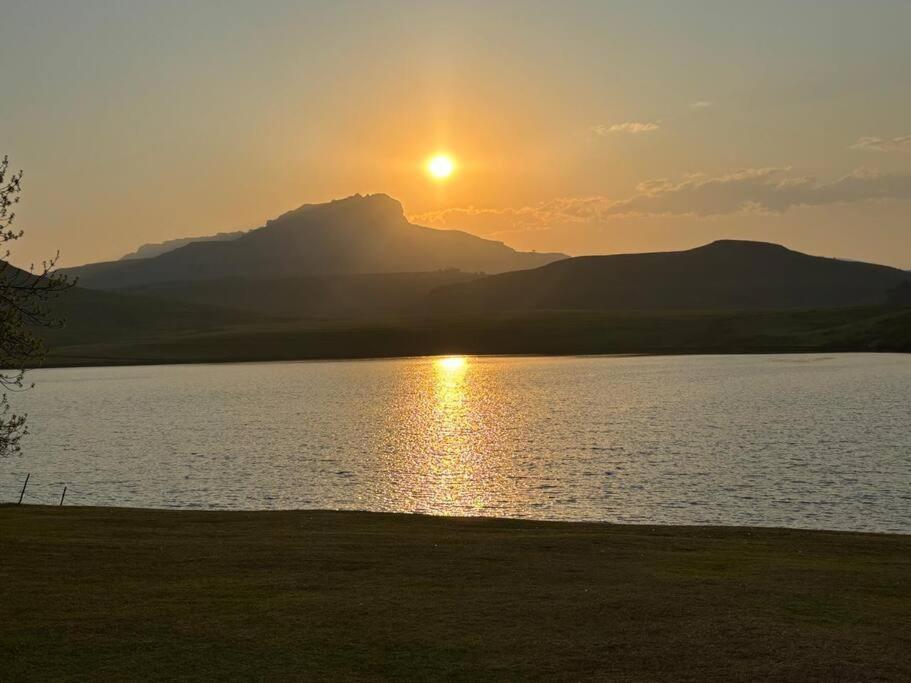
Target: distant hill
x,y
310,296
87,316
92,316
357,235
723,275
158,248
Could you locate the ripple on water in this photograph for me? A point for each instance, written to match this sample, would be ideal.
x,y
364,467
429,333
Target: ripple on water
x,y
819,442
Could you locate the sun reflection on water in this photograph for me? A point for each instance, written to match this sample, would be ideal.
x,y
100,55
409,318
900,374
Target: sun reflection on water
x,y
449,451
454,469
452,363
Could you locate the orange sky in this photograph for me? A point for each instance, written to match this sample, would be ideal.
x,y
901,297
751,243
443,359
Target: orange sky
x,y
583,127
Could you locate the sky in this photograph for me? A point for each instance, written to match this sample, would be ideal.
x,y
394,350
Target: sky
x,y
581,127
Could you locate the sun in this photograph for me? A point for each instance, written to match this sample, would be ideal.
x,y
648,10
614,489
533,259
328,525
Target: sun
x,y
440,166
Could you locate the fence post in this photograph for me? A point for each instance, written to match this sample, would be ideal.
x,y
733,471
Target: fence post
x,y
23,488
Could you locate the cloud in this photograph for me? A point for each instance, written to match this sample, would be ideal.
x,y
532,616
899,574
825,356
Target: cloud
x,y
874,144
767,190
631,127
752,190
700,104
492,221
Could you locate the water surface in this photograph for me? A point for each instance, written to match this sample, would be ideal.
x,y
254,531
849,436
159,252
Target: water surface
x,y
800,441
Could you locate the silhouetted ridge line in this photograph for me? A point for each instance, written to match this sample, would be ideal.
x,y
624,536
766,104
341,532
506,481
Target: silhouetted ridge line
x,y
355,235
723,275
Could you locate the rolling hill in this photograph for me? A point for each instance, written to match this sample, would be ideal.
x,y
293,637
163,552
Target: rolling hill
x,y
723,275
725,297
91,316
310,296
356,235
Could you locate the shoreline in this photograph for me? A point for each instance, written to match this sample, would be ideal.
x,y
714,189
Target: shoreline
x,y
140,363
652,526
132,362
127,593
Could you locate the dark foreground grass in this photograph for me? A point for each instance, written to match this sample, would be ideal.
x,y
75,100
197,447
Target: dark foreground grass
x,y
97,593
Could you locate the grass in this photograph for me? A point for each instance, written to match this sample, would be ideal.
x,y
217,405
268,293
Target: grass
x,y
95,593
542,332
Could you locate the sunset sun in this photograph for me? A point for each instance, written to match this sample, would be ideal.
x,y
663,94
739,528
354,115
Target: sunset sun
x,y
440,166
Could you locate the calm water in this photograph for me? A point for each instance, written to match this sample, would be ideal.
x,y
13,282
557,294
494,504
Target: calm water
x,y
802,441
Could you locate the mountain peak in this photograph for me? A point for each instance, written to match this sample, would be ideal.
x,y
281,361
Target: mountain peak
x,y
370,208
743,245
358,234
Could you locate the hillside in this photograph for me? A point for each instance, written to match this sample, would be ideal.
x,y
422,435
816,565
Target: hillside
x,y
91,316
723,275
356,235
531,332
77,316
307,296
726,297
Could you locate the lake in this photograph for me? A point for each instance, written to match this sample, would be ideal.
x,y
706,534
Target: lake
x,y
787,440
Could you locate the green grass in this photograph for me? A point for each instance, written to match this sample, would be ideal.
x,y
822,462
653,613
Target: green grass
x,y
543,332
94,593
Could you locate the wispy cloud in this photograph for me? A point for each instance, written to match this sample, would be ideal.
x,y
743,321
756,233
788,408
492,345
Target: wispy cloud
x,y
875,144
700,104
768,190
631,127
491,221
752,190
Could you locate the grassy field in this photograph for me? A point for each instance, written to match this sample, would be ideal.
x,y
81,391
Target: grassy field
x,y
542,332
95,593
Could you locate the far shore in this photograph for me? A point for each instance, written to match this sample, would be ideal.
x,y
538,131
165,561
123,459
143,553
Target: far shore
x,y
58,362
85,342
128,593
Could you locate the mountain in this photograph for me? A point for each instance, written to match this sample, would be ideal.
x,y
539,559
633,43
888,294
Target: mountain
x,y
723,275
356,235
158,248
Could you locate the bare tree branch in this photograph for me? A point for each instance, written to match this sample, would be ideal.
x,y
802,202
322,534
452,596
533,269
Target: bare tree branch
x,y
24,306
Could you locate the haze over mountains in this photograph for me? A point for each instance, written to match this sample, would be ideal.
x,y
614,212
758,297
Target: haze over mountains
x,y
356,235
359,257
